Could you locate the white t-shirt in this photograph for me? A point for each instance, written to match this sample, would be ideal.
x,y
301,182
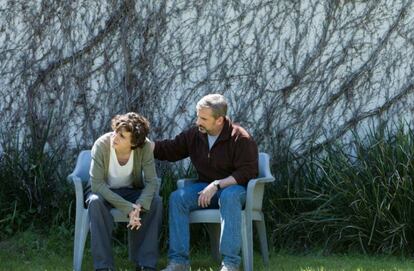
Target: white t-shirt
x,y
120,176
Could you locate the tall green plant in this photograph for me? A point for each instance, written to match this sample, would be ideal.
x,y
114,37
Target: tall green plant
x,y
33,190
358,198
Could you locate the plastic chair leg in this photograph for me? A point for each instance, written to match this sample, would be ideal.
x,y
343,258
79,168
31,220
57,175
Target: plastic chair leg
x,y
247,243
81,233
261,230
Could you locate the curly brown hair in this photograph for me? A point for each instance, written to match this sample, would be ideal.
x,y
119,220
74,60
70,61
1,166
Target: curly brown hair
x,y
134,123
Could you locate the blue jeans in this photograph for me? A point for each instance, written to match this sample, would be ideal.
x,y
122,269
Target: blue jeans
x,y
229,200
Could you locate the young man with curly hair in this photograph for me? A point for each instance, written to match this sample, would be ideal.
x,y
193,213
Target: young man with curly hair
x,y
118,160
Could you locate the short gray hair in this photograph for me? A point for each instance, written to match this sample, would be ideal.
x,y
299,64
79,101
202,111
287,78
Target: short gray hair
x,y
216,102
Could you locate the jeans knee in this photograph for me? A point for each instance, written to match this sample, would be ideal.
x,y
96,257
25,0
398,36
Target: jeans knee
x,y
228,201
94,201
176,197
232,197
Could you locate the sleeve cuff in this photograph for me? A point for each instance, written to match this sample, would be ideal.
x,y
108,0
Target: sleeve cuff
x,y
144,206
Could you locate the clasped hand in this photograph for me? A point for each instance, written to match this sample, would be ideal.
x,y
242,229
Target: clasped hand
x,y
134,218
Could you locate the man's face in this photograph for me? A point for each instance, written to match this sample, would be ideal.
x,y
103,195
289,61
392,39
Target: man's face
x,y
207,123
121,140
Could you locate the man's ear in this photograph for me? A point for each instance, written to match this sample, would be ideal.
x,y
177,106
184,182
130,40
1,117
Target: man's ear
x,y
220,120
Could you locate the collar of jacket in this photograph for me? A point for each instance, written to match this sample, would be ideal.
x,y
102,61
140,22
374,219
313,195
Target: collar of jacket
x,y
225,133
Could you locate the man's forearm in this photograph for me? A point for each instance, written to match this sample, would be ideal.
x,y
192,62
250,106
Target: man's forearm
x,y
227,181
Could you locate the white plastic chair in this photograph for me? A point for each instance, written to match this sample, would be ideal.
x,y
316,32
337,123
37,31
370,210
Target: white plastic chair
x,y
251,213
80,177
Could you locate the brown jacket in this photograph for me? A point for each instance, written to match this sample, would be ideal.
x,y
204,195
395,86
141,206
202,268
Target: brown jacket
x,y
234,153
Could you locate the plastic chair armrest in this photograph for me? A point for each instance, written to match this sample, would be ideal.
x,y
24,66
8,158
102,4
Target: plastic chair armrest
x,y
254,193
77,182
75,174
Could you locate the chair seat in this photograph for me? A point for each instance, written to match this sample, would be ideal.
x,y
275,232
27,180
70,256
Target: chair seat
x,y
213,216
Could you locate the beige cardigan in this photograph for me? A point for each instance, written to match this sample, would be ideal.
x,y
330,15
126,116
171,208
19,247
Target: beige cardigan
x,y
143,163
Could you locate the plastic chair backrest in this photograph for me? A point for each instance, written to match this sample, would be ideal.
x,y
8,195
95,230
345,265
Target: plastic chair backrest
x,y
83,165
264,169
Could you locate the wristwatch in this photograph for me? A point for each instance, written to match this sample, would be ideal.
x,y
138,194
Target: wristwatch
x,y
216,183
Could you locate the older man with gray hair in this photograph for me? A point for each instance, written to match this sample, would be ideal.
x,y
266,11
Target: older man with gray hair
x,y
226,158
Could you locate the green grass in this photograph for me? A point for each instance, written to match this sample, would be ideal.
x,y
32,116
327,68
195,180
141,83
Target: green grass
x,y
34,251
